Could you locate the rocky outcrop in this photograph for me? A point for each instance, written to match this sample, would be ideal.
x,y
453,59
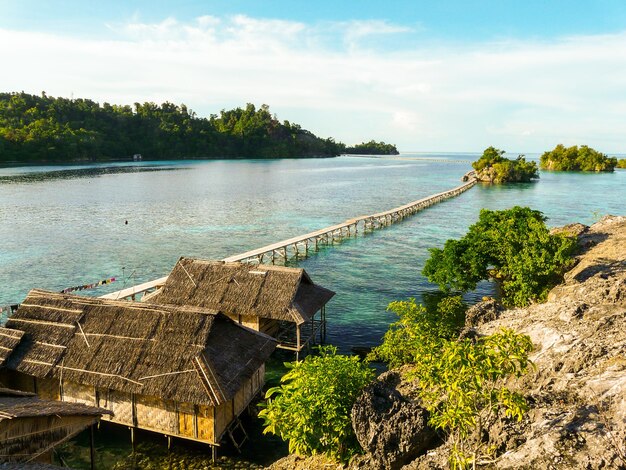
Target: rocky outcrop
x,y
577,392
297,462
390,424
483,312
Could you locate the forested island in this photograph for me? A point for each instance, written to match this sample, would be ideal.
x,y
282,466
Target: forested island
x,y
372,148
576,158
42,128
493,167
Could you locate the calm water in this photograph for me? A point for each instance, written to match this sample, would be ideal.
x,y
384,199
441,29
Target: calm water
x,y
66,226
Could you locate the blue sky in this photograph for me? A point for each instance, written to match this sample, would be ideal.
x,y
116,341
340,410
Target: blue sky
x,y
428,76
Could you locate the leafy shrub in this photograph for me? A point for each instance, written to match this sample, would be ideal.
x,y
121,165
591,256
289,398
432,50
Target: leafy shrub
x,y
463,387
621,163
513,246
419,332
576,159
311,409
461,382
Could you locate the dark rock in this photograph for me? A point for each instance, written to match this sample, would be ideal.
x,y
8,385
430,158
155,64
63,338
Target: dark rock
x,y
390,425
483,312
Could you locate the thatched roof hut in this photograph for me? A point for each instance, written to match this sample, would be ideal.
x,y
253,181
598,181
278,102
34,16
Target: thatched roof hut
x,y
257,296
115,354
30,427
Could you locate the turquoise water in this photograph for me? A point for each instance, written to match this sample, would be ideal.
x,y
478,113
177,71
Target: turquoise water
x,y
66,226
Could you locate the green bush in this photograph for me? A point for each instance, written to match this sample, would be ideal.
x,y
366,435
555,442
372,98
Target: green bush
x,y
512,246
621,163
311,409
461,382
463,388
576,159
419,332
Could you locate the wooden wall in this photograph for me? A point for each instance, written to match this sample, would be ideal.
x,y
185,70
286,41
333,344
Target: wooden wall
x,y
249,321
197,422
226,412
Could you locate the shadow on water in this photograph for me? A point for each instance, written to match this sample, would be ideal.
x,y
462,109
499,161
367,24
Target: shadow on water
x,y
75,173
113,450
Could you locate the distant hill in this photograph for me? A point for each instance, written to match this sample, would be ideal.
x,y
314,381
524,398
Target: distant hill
x,y
372,148
45,129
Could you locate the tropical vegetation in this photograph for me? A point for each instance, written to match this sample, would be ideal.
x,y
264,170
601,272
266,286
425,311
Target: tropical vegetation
x,y
493,167
576,158
621,163
311,408
513,246
47,129
461,382
372,148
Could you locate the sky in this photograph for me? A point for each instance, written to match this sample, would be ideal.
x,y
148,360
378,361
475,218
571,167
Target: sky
x,y
432,76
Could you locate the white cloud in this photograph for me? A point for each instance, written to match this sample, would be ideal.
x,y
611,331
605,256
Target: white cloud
x,y
521,96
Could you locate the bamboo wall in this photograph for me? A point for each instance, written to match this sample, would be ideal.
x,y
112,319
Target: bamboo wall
x,y
21,439
226,412
186,420
250,321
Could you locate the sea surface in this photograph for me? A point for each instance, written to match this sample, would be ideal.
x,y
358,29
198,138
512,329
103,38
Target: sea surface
x,y
66,226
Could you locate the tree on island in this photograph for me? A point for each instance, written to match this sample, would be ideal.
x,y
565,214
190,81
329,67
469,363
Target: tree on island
x,y
576,159
372,148
47,129
621,163
493,167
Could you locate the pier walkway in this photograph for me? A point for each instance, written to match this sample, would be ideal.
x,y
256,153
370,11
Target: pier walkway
x,y
300,245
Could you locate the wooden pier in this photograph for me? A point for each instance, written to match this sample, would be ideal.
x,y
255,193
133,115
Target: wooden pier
x,y
298,246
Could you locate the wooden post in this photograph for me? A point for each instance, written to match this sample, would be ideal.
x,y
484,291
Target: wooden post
x,y
92,453
323,316
132,438
298,337
214,454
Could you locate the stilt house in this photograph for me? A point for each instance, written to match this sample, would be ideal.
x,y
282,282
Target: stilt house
x,y
30,427
279,301
178,371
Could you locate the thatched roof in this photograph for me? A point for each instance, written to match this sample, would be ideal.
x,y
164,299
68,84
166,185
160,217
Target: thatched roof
x,y
8,340
273,292
155,350
16,404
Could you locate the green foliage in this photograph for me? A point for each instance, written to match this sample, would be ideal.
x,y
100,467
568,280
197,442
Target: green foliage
x,y
419,332
461,382
43,128
311,409
463,387
492,166
513,246
621,163
372,148
576,159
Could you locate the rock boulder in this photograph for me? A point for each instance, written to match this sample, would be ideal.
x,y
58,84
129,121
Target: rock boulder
x,y
390,424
